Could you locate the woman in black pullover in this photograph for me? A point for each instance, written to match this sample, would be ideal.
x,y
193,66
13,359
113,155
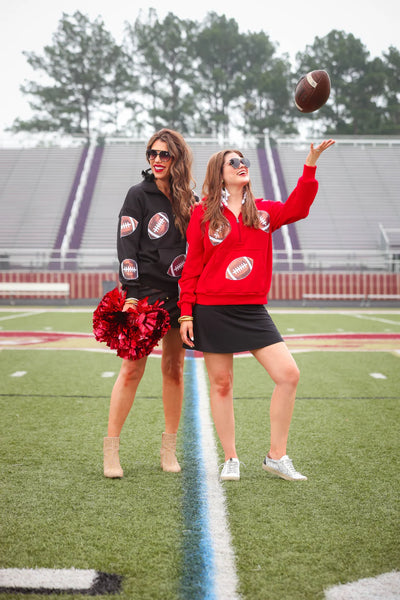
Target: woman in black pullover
x,y
151,251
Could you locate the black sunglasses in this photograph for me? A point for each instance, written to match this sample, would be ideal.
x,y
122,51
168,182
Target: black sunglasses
x,y
235,162
163,154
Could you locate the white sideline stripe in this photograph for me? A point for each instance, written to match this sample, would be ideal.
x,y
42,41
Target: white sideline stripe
x,y
52,579
378,375
388,321
19,315
382,587
108,374
226,581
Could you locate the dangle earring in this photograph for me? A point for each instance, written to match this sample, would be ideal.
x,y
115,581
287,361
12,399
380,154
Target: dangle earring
x,y
224,194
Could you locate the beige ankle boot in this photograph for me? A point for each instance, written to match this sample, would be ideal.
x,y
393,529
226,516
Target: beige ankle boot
x,y
112,468
167,453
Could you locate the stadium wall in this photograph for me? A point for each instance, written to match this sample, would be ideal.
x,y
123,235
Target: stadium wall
x,y
285,286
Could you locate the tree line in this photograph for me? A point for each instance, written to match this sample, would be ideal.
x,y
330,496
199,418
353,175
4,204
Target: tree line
x,y
202,78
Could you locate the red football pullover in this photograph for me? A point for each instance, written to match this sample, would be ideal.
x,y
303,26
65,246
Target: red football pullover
x,y
236,268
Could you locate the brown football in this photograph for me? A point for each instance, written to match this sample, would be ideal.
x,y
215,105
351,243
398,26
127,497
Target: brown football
x,y
239,268
158,225
129,269
175,268
312,91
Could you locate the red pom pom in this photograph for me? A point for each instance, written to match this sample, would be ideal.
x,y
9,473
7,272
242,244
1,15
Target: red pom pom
x,y
132,333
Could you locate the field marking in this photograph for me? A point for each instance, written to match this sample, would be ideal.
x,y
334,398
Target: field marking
x,y
378,375
271,310
54,579
378,319
18,374
59,581
226,580
20,315
334,311
382,587
209,569
306,342
197,575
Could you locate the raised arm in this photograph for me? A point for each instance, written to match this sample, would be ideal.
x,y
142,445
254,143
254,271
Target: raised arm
x,y
316,152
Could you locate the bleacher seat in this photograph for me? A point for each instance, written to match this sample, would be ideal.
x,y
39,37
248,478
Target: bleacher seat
x,y
359,189
34,187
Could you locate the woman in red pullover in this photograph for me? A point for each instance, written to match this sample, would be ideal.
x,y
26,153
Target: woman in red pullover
x,y
223,292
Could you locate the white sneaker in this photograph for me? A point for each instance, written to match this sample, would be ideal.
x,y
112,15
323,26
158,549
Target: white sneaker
x,y
231,470
283,468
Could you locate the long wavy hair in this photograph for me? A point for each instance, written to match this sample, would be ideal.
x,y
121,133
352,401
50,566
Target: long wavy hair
x,y
212,191
181,180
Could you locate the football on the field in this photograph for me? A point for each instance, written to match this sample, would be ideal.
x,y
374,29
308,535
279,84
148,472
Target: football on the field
x,y
239,268
158,225
312,91
175,268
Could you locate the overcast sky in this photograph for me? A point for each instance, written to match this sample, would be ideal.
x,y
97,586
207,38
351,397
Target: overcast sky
x,y
29,25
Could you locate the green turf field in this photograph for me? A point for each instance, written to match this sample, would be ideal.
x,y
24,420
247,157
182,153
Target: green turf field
x,y
291,540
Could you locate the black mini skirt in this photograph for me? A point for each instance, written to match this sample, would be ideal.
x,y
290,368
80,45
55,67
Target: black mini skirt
x,y
233,328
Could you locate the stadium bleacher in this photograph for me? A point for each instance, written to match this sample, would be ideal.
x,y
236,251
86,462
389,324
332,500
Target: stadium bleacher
x,y
359,189
35,184
358,197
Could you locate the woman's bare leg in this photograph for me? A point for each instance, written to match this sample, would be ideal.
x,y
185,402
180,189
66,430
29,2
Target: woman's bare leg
x,y
220,373
172,363
123,394
281,366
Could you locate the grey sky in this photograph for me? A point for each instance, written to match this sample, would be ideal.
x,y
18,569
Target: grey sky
x,y
29,25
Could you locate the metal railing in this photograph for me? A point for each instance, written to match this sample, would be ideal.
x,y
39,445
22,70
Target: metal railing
x,y
100,259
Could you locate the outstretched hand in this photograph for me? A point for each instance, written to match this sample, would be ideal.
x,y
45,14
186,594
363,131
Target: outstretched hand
x,y
316,152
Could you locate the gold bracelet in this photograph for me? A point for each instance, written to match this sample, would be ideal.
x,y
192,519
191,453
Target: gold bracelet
x,y
185,318
131,301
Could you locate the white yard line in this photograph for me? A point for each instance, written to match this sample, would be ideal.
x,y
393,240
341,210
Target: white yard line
x,y
48,579
379,319
382,587
226,580
21,314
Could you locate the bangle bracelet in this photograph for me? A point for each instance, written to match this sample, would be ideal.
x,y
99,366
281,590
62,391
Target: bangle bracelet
x,y
131,301
185,318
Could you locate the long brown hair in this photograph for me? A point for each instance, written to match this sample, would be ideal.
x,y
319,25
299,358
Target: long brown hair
x,y
181,175
212,190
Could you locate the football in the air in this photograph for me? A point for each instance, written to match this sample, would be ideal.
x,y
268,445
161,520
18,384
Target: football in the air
x,y
158,225
312,91
239,268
